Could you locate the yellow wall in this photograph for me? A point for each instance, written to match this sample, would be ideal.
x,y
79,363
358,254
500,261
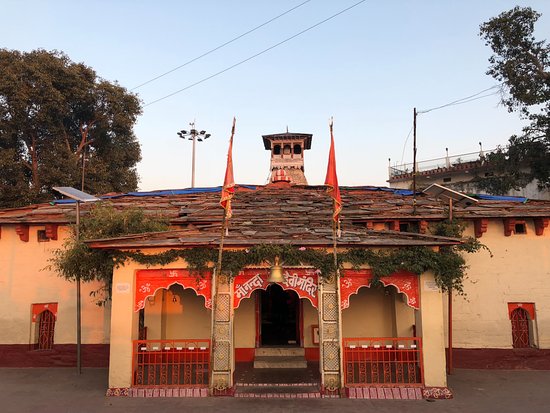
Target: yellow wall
x,y
183,319
310,318
518,272
244,323
430,321
24,281
368,315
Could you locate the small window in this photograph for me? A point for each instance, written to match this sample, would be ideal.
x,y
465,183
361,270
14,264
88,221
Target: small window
x,y
286,150
408,227
447,179
41,235
520,228
277,150
297,149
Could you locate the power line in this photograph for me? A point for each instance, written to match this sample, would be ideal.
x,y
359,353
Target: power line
x,y
465,99
255,55
405,144
220,46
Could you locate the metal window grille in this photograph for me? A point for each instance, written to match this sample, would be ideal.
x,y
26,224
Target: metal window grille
x,y
171,363
46,329
520,328
383,361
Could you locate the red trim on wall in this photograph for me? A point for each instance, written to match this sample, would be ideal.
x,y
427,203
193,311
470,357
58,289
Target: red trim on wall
x,y
258,318
312,353
23,231
529,307
540,224
39,308
62,355
51,231
498,358
244,354
480,226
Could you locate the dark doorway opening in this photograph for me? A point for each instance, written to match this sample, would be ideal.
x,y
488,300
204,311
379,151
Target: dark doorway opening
x,y
279,315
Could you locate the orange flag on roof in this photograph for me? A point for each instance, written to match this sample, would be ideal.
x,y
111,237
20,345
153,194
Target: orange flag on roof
x,y
228,189
332,180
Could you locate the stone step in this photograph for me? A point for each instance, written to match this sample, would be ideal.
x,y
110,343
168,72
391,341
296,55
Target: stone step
x,y
280,351
272,389
280,362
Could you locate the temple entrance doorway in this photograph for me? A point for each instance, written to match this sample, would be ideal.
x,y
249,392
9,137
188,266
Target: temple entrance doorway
x,y
279,317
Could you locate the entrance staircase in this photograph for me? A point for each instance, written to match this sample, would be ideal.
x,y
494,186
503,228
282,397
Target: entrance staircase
x,y
278,372
280,358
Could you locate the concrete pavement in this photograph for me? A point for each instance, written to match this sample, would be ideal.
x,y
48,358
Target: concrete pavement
x,y
60,390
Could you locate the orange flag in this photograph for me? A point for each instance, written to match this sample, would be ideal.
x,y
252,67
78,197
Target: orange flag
x,y
332,180
228,189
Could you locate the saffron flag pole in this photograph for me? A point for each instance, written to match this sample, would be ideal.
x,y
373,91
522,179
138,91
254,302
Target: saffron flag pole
x,y
331,181
228,190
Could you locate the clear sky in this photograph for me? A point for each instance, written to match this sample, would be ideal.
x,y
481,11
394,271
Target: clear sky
x,y
367,68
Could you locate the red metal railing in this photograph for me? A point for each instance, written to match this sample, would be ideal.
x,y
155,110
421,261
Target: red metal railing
x,y
383,361
175,363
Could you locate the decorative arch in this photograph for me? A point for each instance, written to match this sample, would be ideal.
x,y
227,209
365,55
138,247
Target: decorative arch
x,y
148,282
303,281
405,283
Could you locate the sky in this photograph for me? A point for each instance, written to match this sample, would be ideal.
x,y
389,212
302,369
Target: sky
x,y
367,68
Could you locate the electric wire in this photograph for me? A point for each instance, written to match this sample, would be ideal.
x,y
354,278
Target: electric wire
x,y
255,55
220,46
461,101
464,100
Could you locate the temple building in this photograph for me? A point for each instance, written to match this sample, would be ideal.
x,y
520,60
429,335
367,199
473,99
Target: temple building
x,y
174,328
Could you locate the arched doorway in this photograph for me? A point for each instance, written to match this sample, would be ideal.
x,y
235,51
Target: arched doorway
x,y
520,328
46,328
279,321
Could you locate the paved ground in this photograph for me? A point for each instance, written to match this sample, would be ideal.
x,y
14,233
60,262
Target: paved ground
x,y
60,390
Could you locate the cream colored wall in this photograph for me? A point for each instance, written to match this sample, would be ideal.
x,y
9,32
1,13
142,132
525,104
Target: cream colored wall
x,y
244,323
310,318
24,281
518,272
187,318
430,323
124,326
404,316
369,314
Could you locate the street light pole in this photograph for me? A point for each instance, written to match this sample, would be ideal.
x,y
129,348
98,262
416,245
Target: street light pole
x,y
193,135
78,197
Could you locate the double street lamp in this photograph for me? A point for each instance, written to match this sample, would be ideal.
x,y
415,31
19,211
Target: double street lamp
x,y
193,135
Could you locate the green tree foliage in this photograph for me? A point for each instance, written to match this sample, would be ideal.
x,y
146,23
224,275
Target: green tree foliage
x,y
76,260
522,65
53,112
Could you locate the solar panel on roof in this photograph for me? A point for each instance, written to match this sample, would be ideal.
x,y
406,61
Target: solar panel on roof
x,y
75,194
458,198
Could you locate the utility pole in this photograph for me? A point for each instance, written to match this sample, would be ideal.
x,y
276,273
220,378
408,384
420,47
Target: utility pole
x,y
414,160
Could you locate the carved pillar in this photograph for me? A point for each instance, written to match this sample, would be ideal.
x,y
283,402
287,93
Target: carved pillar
x,y
330,315
222,338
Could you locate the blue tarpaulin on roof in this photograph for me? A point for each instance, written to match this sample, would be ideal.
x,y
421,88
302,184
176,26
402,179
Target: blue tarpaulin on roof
x,y
405,192
159,193
500,198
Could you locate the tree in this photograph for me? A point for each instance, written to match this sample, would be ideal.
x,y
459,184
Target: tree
x,y
522,65
76,260
54,114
